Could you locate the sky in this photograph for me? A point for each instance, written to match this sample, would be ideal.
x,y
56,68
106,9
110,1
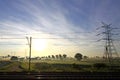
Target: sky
x,y
56,26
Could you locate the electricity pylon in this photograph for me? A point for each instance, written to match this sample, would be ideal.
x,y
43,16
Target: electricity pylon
x,y
110,51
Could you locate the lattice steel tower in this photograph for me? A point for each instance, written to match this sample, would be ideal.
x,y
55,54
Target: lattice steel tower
x,y
110,51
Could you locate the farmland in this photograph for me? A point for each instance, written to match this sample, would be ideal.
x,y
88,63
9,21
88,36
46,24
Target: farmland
x,y
88,65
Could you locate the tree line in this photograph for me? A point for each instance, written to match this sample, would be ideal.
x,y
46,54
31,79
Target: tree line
x,y
77,56
59,56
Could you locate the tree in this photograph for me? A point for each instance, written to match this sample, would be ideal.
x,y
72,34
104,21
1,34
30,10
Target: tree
x,y
85,57
8,55
60,56
49,56
53,56
57,56
14,58
78,56
64,55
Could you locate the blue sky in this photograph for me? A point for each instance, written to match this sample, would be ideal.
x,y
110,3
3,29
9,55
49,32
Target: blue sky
x,y
61,18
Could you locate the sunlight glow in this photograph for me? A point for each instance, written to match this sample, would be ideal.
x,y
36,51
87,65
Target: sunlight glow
x,y
39,44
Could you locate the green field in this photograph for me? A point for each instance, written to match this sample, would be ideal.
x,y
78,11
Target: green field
x,y
89,65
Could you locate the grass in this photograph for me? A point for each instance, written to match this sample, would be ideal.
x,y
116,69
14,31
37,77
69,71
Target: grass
x,y
89,65
11,67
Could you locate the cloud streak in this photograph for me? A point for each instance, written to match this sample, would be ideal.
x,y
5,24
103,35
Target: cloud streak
x,y
56,19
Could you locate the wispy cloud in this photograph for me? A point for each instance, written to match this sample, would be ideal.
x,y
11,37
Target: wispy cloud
x,y
57,19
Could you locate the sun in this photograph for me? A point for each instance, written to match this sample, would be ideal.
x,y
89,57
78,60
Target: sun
x,y
39,44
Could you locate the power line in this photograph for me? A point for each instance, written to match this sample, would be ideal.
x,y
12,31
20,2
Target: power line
x,y
42,33
44,38
12,38
13,44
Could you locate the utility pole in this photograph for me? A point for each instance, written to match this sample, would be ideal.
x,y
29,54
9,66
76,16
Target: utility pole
x,y
110,50
30,45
